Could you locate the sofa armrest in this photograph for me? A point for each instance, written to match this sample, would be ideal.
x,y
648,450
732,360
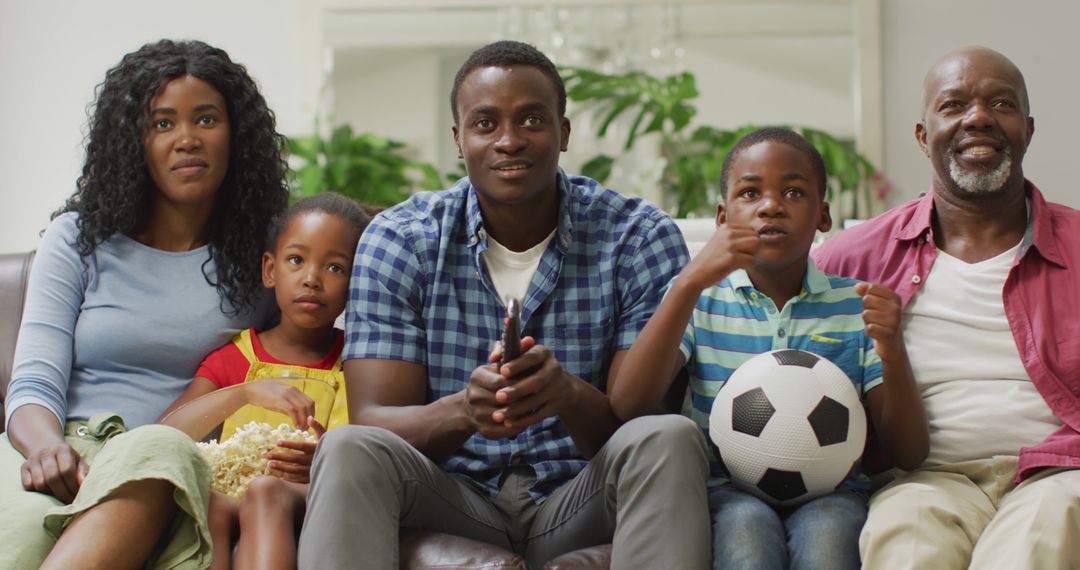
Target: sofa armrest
x,y
14,274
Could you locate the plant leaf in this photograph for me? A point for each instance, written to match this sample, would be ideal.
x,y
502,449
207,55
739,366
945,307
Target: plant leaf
x,y
307,148
598,167
621,104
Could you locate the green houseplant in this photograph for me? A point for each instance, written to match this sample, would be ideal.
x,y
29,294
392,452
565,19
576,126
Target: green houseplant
x,y
694,158
372,169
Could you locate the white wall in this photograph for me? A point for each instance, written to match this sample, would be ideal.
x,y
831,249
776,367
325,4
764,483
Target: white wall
x,y
54,52
1038,36
402,92
801,80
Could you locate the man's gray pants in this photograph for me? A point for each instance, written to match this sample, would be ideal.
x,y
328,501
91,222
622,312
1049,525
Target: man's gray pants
x,y
644,492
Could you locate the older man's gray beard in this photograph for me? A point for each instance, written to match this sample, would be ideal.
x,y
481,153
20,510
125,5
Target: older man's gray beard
x,y
980,182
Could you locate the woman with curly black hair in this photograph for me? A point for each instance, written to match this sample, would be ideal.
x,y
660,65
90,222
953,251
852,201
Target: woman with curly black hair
x,y
150,265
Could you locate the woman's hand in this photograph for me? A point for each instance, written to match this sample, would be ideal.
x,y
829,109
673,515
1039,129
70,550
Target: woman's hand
x,y
55,470
52,467
296,465
278,396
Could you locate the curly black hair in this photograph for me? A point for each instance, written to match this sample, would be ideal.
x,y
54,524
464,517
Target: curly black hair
x,y
505,53
331,203
114,193
779,135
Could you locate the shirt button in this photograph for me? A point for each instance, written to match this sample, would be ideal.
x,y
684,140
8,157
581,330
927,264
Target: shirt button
x,y
916,279
478,275
480,234
472,240
780,333
771,310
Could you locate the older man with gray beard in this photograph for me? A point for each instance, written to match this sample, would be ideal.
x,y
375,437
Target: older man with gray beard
x,y
989,276
976,181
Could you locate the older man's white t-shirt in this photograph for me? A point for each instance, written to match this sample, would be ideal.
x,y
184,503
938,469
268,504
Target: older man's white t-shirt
x,y
978,397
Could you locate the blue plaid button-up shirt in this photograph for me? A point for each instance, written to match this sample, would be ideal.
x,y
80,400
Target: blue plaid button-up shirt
x,y
420,292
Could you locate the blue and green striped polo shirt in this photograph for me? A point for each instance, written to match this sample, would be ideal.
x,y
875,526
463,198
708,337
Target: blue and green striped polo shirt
x,y
734,322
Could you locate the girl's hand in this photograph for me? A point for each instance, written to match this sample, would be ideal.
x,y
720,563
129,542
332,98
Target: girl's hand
x,y
55,470
295,465
278,396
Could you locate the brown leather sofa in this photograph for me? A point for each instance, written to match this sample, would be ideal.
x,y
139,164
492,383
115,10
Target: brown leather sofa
x,y
419,549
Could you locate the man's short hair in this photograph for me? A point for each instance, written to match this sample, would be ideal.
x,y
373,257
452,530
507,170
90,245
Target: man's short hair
x,y
505,53
780,135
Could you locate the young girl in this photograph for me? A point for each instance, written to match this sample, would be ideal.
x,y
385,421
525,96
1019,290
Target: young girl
x,y
308,267
753,289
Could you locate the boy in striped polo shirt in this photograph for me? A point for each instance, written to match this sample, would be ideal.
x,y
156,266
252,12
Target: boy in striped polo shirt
x,y
753,289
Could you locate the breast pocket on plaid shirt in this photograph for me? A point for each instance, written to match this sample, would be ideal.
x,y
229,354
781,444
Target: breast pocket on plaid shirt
x,y
582,349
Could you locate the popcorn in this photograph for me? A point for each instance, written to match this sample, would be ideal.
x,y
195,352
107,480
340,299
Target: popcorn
x,y
240,459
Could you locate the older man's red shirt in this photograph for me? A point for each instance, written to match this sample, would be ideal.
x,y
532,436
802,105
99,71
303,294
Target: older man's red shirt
x,y
1041,297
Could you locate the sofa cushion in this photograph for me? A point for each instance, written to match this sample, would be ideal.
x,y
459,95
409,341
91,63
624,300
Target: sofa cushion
x,y
422,549
592,558
696,232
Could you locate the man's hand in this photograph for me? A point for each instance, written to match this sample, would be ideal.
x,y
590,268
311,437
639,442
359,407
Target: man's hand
x,y
55,470
881,313
537,387
729,248
501,401
278,396
479,402
296,465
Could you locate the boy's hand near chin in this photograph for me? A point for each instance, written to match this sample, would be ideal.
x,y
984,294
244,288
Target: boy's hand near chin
x,y
729,248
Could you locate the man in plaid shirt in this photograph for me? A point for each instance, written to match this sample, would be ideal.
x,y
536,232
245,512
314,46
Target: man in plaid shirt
x,y
527,455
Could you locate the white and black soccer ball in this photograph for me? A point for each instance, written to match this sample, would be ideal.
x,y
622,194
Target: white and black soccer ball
x,y
789,426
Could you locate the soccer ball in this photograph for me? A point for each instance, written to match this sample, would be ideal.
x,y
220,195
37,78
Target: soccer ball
x,y
789,426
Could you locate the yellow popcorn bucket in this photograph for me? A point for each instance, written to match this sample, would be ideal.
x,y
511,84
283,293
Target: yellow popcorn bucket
x,y
228,406
235,463
322,392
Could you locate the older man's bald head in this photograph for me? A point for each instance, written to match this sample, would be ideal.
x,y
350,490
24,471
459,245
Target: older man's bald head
x,y
973,60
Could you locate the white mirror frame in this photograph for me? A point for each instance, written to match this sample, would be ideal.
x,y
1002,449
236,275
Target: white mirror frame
x,y
868,85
